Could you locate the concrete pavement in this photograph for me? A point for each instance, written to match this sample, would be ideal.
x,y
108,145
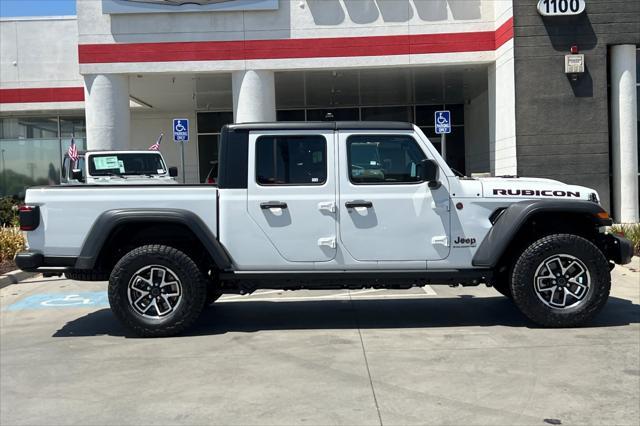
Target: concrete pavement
x,y
433,355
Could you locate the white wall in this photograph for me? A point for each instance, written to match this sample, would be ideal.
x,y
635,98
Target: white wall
x,y
145,128
502,113
476,134
293,19
39,53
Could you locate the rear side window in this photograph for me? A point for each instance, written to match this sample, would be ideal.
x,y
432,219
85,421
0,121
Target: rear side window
x,y
291,160
384,159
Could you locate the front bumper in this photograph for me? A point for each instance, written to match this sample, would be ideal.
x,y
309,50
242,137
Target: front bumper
x,y
618,249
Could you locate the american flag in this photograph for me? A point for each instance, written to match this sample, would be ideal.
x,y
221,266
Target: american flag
x,y
156,146
73,151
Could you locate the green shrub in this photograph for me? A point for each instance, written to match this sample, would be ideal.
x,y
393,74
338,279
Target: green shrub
x,y
630,231
8,211
11,242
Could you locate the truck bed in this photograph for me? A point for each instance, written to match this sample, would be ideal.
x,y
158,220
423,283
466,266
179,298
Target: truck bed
x,y
68,212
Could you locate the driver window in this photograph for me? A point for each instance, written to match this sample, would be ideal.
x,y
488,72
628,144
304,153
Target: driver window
x,y
384,159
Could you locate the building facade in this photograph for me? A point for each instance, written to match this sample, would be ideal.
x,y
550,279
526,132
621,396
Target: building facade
x,y
116,75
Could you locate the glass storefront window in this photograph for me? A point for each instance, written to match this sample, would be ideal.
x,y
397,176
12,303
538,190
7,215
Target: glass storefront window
x,y
29,128
32,149
290,115
386,87
28,162
334,114
331,88
212,122
402,113
73,127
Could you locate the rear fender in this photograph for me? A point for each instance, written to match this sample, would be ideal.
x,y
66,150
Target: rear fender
x,y
108,221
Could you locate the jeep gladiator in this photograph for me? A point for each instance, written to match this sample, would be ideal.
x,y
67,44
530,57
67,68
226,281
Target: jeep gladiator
x,y
320,206
117,168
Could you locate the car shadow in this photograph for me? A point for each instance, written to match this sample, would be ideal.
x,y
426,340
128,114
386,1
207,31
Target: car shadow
x,y
249,316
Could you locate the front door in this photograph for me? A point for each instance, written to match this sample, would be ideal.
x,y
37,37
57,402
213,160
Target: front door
x,y
387,212
292,192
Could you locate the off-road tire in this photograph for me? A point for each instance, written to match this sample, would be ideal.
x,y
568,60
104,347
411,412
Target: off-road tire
x,y
194,290
88,275
522,282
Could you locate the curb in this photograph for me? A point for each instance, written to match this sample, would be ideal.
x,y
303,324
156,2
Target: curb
x,y
14,277
634,265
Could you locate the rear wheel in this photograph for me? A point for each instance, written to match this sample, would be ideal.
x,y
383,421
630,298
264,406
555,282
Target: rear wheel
x,y
157,290
561,280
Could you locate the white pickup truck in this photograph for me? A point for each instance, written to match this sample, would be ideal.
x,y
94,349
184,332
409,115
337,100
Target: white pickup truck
x,y
319,206
117,168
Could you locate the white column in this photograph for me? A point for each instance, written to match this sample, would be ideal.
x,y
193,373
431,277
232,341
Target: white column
x,y
254,96
624,133
107,111
502,113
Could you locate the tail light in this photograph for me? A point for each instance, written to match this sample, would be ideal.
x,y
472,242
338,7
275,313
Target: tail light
x,y
29,217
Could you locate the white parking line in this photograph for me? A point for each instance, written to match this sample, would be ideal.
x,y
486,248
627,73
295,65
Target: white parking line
x,y
427,289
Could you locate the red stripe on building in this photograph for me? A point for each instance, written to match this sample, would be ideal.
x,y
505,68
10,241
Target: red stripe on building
x,y
48,94
504,33
296,48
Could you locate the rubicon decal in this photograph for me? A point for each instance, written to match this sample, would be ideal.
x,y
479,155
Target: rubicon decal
x,y
537,193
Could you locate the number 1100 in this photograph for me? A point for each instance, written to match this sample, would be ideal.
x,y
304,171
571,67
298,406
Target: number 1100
x,y
562,6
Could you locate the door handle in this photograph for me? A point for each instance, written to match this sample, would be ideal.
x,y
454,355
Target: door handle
x,y
358,203
273,205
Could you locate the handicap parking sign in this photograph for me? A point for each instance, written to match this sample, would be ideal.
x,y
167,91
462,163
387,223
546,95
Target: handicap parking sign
x,y
181,129
443,122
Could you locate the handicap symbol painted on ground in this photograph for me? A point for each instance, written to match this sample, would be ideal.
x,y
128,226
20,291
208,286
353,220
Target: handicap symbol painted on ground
x,y
93,299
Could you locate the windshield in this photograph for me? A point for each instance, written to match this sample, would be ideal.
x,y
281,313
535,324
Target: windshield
x,y
126,164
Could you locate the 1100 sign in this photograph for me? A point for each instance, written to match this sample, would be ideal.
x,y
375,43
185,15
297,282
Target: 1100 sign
x,y
561,7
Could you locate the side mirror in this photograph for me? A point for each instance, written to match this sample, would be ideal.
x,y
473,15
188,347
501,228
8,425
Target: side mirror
x,y
429,173
76,174
173,171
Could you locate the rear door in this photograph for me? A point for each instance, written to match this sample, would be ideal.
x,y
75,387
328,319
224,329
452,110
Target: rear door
x,y
387,213
292,192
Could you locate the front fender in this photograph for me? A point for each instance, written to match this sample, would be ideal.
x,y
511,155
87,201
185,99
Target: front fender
x,y
516,215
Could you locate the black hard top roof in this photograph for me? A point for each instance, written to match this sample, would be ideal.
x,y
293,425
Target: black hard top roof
x,y
323,125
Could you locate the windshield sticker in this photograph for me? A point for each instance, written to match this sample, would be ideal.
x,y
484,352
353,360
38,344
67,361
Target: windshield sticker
x,y
106,163
160,171
121,166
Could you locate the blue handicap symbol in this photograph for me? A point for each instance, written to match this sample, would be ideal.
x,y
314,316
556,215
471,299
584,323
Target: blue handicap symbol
x,y
92,299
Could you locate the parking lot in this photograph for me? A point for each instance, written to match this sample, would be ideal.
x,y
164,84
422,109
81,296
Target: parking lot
x,y
431,355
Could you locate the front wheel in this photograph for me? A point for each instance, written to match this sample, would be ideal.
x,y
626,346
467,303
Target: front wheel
x,y
561,280
157,291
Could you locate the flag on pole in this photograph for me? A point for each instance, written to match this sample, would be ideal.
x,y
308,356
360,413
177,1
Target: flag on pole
x,y
73,151
156,146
